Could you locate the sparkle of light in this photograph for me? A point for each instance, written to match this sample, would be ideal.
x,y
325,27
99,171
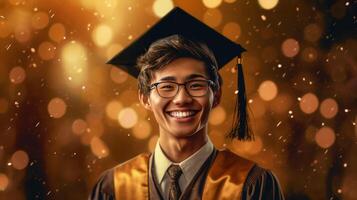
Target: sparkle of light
x,y
213,17
231,30
268,90
17,75
99,148
142,130
102,35
328,108
57,32
325,137
56,107
162,7
268,4
39,20
290,47
309,103
217,116
20,160
112,109
127,117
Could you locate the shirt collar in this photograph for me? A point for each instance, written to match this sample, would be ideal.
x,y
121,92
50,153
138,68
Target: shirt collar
x,y
189,166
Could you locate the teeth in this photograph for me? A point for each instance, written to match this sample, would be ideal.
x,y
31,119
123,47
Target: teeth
x,y
180,114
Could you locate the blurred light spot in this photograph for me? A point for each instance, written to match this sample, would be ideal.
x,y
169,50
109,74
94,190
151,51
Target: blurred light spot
x,y
268,4
218,138
282,103
19,160
39,20
117,75
47,51
99,148
212,17
142,130
74,57
328,108
325,137
22,33
290,47
268,90
112,109
17,2
212,3
79,126
4,182
57,32
230,1
257,107
231,30
127,118
248,147
4,105
217,116
102,35
309,103
56,107
312,32
112,50
152,142
5,28
162,7
309,54
17,75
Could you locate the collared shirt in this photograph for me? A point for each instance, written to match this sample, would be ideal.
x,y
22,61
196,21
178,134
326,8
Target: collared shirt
x,y
189,166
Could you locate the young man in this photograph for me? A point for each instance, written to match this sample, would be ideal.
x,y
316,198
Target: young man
x,y
179,83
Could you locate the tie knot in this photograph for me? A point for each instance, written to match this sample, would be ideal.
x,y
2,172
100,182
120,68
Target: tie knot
x,y
174,172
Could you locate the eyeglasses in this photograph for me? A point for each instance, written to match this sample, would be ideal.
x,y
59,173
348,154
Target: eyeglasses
x,y
195,88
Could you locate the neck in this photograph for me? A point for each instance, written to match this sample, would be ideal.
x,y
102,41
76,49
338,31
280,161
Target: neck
x,y
178,149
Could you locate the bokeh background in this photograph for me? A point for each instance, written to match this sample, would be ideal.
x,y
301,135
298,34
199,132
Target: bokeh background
x,y
66,116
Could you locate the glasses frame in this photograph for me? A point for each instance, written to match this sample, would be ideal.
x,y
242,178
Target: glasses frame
x,y
185,84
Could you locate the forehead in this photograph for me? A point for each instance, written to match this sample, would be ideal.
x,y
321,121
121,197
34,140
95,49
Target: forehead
x,y
181,69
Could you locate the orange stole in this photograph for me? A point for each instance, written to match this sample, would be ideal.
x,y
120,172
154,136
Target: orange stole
x,y
225,178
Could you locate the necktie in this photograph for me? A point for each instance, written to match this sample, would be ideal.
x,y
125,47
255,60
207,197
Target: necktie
x,y
174,173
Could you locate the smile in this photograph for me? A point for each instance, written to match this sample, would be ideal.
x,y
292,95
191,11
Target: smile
x,y
182,114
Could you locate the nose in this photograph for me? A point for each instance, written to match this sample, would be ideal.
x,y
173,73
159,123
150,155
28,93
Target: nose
x,y
182,97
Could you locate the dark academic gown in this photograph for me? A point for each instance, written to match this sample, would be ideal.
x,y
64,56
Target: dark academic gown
x,y
223,175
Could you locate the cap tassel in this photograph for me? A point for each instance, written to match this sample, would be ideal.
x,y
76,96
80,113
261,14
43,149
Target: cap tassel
x,y
240,126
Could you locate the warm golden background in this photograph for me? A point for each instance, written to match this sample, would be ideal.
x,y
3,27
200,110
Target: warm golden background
x,y
65,116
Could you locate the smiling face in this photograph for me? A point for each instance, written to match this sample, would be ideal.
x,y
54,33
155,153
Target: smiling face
x,y
182,115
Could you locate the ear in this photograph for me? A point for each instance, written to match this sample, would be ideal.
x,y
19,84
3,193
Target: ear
x,y
217,97
144,100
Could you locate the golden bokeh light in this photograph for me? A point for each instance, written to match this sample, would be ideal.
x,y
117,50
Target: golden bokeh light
x,y
282,103
22,33
79,126
102,35
127,117
218,138
211,3
4,105
312,32
17,2
99,148
152,142
57,32
290,47
217,116
229,1
17,75
4,182
142,130
112,50
267,90
112,109
328,108
46,51
247,147
268,4
309,103
213,17
325,137
56,107
5,28
118,75
162,7
19,160
231,30
39,20
74,57
309,54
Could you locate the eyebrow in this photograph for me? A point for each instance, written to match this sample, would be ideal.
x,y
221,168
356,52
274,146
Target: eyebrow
x,y
190,77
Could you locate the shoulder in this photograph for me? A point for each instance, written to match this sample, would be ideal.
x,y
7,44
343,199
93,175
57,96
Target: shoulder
x,y
228,159
139,161
104,186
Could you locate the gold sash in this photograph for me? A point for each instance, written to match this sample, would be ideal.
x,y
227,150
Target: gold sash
x,y
225,178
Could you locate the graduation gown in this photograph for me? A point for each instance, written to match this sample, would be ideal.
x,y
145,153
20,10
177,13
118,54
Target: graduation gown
x,y
224,175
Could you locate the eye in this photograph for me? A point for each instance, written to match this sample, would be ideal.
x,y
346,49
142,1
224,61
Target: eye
x,y
198,85
166,86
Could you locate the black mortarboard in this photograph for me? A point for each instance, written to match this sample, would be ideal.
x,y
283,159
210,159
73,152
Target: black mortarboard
x,y
179,22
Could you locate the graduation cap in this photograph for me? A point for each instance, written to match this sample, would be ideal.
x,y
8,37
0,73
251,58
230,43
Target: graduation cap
x,y
179,22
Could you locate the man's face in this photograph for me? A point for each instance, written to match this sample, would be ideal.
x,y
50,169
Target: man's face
x,y
169,112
